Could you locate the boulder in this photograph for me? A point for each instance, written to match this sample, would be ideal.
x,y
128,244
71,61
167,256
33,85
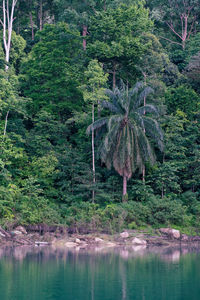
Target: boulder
x,y
2,234
22,229
170,232
124,235
137,241
98,240
16,232
176,234
184,238
195,239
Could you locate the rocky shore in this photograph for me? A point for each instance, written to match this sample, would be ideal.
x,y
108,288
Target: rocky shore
x,y
62,238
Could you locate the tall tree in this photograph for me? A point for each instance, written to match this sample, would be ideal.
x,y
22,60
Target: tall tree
x,y
116,39
180,17
126,145
193,71
7,24
76,13
94,93
51,73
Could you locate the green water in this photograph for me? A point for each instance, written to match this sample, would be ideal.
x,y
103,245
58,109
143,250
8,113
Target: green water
x,y
57,274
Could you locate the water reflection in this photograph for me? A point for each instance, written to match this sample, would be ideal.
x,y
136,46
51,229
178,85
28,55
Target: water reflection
x,y
124,273
169,254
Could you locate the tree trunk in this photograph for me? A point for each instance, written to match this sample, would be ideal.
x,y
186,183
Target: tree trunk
x,y
124,188
162,192
6,122
32,30
84,35
143,173
114,76
183,45
7,23
41,15
143,168
93,157
104,5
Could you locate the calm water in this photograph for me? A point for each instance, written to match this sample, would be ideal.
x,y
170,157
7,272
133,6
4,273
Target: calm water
x,y
49,274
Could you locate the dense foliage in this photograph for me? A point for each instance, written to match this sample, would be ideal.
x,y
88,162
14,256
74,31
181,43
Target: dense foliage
x,y
67,62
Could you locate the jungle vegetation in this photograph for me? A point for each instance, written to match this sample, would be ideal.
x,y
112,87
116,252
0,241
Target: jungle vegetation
x,y
99,113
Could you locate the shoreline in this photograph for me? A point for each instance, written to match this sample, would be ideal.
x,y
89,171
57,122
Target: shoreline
x,y
164,237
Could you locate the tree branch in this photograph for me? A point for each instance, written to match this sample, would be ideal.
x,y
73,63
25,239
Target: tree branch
x,y
170,40
172,28
191,28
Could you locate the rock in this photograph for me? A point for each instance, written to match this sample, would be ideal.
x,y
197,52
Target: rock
x,y
195,239
176,234
16,232
137,241
39,243
124,235
98,240
165,230
185,238
70,244
2,234
22,229
78,241
170,232
5,233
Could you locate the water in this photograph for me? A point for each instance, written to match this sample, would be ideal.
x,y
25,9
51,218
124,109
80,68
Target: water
x,y
99,274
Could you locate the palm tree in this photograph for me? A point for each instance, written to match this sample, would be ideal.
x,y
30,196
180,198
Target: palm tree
x,y
126,144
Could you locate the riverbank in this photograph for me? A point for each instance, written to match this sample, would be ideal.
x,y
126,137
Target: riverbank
x,y
158,237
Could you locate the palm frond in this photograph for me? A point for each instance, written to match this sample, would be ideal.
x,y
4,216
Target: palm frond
x,y
149,108
144,94
135,90
137,119
110,94
110,106
153,129
114,119
96,125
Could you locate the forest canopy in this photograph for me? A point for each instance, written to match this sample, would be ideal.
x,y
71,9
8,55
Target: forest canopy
x,y
100,109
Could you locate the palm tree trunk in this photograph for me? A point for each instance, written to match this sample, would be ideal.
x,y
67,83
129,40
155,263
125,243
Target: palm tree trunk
x,y
124,188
